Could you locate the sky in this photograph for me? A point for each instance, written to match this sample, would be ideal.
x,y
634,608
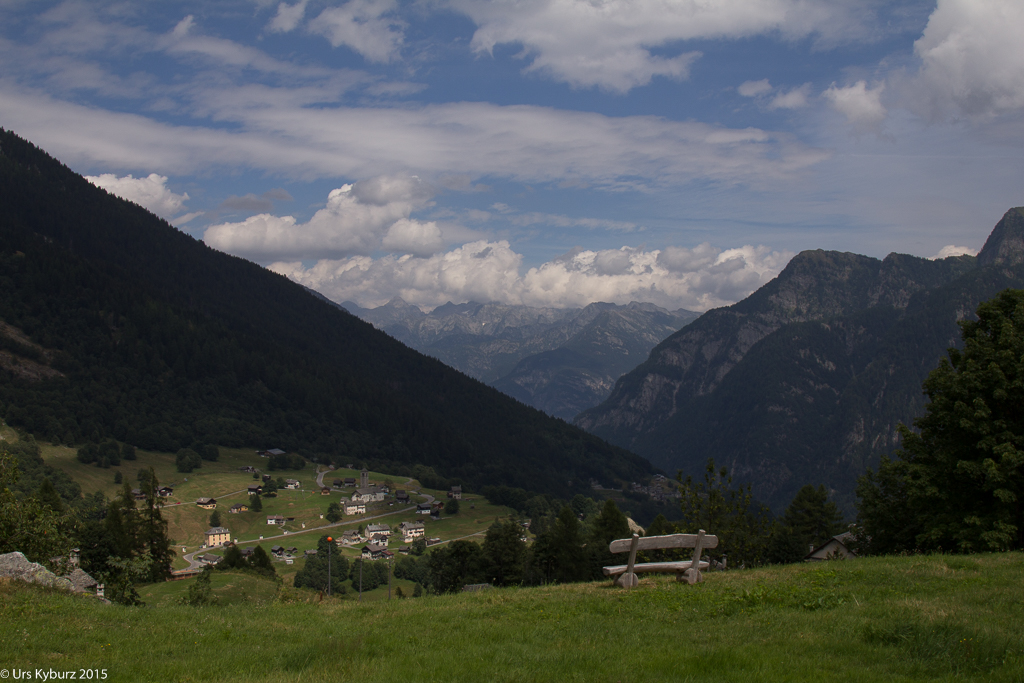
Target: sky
x,y
538,152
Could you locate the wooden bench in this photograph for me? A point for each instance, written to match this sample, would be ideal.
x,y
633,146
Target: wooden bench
x,y
689,569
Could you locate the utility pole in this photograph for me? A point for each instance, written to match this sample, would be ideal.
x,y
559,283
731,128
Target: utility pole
x,y
329,544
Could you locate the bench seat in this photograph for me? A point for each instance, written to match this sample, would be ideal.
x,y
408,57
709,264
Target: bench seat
x,y
678,567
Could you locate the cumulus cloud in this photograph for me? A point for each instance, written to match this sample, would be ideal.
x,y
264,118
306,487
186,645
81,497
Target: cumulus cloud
x,y
754,88
362,25
150,192
972,58
862,106
287,17
609,44
791,99
358,219
697,279
953,250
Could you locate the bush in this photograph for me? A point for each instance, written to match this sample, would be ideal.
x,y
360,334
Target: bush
x,y
187,460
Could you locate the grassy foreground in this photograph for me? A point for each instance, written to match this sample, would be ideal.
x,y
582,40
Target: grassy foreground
x,y
880,619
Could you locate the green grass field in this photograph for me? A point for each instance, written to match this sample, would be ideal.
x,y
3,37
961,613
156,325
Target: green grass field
x,y
924,618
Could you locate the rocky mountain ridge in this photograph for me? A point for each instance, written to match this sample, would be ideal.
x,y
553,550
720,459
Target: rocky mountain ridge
x,y
806,380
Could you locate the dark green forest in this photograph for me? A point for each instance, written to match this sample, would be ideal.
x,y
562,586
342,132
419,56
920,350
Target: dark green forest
x,y
134,330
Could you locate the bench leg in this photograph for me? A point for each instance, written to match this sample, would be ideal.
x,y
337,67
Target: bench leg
x,y
692,575
627,580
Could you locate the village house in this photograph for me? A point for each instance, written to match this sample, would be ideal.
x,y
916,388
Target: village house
x,y
207,503
247,552
402,496
423,509
836,547
138,494
372,494
382,529
272,451
239,507
350,537
350,481
337,483
248,469
266,477
291,484
255,490
374,551
353,508
379,539
411,530
325,491
455,493
277,551
275,519
164,491
209,559
216,536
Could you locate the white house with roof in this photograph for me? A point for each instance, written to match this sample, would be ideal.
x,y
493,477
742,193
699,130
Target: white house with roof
x,y
372,494
351,507
412,530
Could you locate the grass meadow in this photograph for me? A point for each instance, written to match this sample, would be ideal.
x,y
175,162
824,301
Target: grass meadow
x,y
921,618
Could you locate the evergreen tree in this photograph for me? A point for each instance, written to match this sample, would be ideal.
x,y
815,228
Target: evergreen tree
x,y
127,452
255,504
455,565
200,592
609,525
315,573
261,562
117,477
504,554
810,520
741,525
49,498
232,559
215,518
558,552
153,528
333,513
958,485
187,460
451,507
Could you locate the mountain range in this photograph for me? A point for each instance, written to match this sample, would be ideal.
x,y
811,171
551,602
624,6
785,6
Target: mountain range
x,y
806,380
115,324
561,361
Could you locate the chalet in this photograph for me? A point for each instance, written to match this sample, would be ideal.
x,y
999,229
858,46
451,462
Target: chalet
x,y
216,536
255,490
207,503
164,491
310,553
325,491
350,481
835,548
292,550
247,552
374,551
379,539
138,494
277,550
411,530
275,519
209,559
455,493
239,507
423,509
353,508
368,495
271,452
337,483
292,484
402,496
383,529
404,550
266,477
248,469
433,541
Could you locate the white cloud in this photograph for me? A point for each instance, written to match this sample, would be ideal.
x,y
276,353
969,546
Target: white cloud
x,y
609,44
358,219
287,17
522,143
754,88
362,26
792,99
150,192
698,279
953,250
862,106
972,58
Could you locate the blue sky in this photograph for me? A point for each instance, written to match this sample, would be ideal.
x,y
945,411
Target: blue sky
x,y
545,152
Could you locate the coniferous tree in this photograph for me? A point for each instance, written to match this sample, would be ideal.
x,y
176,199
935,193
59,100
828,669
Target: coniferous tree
x,y
504,553
215,518
255,503
810,520
609,525
558,551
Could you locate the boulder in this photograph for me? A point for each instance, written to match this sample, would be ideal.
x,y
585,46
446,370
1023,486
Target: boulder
x,y
16,566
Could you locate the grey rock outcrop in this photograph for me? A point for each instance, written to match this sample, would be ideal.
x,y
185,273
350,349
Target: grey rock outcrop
x,y
16,566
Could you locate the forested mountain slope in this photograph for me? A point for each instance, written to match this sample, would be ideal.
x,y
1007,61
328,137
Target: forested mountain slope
x,y
116,324
559,360
806,380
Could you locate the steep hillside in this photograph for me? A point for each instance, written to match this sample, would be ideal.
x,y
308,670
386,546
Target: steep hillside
x,y
116,324
559,360
806,380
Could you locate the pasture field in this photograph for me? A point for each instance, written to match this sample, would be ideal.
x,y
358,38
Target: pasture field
x,y
919,618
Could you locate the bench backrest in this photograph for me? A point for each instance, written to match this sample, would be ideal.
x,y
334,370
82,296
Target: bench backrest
x,y
664,542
